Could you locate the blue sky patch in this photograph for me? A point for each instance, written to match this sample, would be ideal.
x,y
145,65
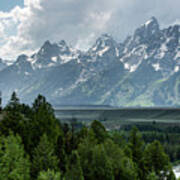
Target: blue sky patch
x,y
7,5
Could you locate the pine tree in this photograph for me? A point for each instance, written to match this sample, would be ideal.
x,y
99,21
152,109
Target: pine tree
x,y
156,160
14,121
44,121
74,170
14,164
39,102
14,103
99,131
101,165
44,157
94,160
60,152
123,167
136,145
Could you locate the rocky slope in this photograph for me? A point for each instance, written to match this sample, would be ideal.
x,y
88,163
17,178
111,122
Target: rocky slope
x,y
144,70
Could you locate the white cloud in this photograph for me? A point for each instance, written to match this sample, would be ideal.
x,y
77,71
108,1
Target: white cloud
x,y
77,21
1,30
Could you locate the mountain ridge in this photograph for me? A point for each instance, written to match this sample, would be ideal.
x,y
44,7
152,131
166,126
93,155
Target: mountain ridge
x,y
136,72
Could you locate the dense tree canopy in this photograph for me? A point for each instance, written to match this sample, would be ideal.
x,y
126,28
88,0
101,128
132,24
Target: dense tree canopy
x,y
35,145
14,163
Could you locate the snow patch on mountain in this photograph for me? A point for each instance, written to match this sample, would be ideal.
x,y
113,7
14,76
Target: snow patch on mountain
x,y
54,59
27,73
131,68
156,67
177,56
176,69
100,53
149,47
148,22
66,58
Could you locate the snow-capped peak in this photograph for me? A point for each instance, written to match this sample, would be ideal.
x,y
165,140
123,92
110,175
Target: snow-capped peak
x,y
47,49
105,40
23,65
21,59
152,22
63,47
151,27
52,54
104,43
62,43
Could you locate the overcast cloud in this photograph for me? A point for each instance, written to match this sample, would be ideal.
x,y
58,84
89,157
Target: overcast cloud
x,y
79,22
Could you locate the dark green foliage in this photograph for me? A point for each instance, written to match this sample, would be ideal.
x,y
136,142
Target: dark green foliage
x,y
14,103
123,166
49,175
0,101
95,162
152,176
44,119
60,152
13,121
171,176
39,102
167,134
43,122
74,170
99,131
14,164
44,157
156,160
101,165
85,150
136,145
45,149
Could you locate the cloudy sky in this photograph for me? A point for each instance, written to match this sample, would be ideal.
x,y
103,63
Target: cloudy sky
x,y
26,24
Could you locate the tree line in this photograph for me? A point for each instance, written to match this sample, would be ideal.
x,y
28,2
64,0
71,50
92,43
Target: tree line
x,y
167,134
35,145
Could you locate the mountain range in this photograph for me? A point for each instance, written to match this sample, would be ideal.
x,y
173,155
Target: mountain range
x,y
144,70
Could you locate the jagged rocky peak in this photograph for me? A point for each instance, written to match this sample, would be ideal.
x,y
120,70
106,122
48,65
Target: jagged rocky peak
x,y
21,59
47,44
63,47
150,28
51,54
105,37
152,23
173,31
50,49
62,43
47,47
23,65
23,56
104,42
45,53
